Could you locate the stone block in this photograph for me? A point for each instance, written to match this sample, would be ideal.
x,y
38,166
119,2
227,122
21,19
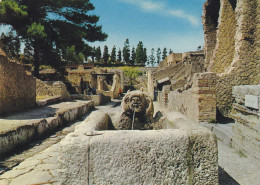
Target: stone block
x,y
185,155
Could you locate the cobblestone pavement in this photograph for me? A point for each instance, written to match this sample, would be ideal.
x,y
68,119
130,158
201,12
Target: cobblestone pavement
x,y
38,169
41,167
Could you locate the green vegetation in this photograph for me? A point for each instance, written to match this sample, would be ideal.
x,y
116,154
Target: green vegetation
x,y
113,55
152,58
137,56
105,55
131,73
53,31
164,54
126,52
158,55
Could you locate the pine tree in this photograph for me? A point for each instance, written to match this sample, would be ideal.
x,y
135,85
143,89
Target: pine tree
x,y
119,55
152,58
164,55
158,55
145,56
139,53
98,54
126,52
170,52
133,56
113,55
52,28
105,55
10,43
93,54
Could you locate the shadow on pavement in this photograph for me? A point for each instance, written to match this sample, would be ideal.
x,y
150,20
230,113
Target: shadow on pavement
x,y
225,178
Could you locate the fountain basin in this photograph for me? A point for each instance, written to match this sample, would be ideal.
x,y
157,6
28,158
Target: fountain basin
x,y
93,154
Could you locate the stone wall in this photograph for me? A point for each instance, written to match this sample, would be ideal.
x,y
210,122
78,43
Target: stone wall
x,y
50,88
198,102
232,46
17,89
246,112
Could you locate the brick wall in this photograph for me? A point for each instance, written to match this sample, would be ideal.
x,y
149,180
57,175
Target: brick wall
x,y
17,89
247,126
198,102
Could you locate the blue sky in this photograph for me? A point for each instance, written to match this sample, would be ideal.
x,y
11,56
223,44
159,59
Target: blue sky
x,y
174,24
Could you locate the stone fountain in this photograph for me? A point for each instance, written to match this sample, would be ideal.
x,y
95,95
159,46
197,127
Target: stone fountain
x,y
95,154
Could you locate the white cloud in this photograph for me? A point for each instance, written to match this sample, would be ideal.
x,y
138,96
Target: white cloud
x,y
160,7
179,13
151,6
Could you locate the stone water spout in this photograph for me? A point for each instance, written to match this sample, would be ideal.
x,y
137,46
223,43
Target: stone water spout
x,y
137,111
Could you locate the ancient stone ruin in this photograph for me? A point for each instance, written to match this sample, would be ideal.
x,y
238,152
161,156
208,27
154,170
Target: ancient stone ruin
x,y
85,76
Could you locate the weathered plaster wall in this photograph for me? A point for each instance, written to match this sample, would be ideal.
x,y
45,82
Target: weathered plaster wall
x,y
17,89
236,54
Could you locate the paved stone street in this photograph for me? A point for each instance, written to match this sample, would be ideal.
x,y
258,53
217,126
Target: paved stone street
x,y
40,167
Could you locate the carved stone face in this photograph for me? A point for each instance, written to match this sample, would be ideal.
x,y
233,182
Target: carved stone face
x,y
143,106
136,103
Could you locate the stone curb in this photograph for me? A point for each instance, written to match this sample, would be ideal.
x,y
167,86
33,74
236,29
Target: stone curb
x,y
37,128
222,131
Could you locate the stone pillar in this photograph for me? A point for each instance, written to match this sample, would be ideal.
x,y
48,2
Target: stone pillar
x,y
100,82
150,84
204,88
